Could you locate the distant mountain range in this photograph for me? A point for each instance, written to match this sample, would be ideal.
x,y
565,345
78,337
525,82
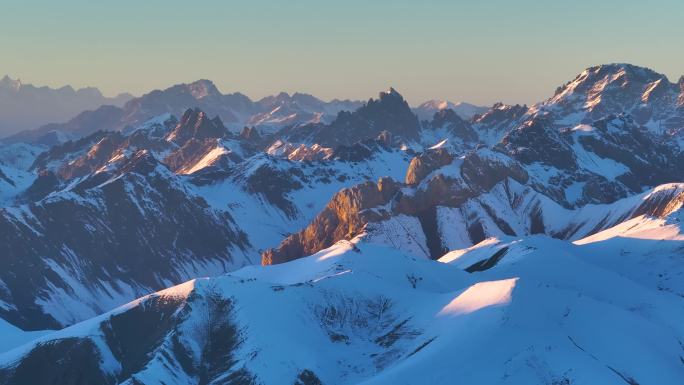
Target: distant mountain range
x,y
519,244
25,106
235,111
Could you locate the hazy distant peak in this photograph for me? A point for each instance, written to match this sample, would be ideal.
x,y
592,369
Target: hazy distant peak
x,y
426,110
203,88
9,83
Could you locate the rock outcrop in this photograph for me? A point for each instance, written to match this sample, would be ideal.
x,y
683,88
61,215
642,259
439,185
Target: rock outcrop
x,y
344,217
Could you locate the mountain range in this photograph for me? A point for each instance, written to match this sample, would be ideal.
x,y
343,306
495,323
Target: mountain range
x,y
195,237
25,106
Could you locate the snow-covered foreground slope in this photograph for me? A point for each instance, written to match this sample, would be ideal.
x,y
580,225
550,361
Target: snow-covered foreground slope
x,y
606,309
13,336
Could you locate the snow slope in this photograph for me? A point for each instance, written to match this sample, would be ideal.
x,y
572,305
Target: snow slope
x,y
546,312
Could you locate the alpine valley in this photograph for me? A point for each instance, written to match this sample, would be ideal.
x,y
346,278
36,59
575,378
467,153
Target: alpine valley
x,y
193,237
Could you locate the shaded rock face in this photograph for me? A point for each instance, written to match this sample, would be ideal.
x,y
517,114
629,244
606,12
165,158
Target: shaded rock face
x,y
362,150
483,170
651,160
389,112
425,163
5,178
250,134
202,350
196,125
156,232
345,216
45,183
274,183
537,141
454,124
499,119
79,364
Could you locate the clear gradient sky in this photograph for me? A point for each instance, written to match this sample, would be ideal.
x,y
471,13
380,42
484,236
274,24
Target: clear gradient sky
x,y
478,51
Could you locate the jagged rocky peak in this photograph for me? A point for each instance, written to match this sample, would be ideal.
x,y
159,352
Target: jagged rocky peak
x,y
391,93
250,134
391,100
390,112
195,124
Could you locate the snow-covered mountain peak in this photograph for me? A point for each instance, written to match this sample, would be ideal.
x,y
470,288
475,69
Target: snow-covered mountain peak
x,y
614,89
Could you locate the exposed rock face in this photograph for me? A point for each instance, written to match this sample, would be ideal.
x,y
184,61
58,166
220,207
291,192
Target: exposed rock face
x,y
661,203
345,216
425,163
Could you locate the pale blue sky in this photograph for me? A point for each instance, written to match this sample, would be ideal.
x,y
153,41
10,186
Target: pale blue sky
x,y
477,51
